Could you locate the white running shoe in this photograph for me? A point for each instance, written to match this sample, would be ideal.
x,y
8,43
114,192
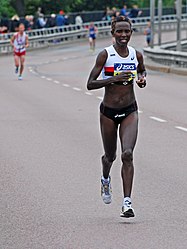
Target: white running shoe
x,y
106,191
20,77
127,210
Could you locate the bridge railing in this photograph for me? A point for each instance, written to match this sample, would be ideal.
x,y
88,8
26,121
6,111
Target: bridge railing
x,y
52,36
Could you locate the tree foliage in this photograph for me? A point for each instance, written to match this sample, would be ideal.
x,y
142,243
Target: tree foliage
x,y
6,9
23,7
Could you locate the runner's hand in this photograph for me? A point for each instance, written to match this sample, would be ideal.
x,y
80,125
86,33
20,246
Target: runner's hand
x,y
141,82
122,77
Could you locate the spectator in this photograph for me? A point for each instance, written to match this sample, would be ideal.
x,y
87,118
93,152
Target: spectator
x,y
60,20
123,11
4,23
31,22
15,21
78,20
135,12
114,10
41,21
107,15
147,32
38,12
66,20
51,22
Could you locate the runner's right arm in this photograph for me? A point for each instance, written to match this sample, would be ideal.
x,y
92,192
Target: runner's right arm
x,y
12,40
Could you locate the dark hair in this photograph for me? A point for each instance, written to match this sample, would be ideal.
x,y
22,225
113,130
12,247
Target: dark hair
x,y
119,19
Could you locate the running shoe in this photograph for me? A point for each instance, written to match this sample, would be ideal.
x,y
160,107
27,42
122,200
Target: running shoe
x,y
16,70
20,77
127,211
106,191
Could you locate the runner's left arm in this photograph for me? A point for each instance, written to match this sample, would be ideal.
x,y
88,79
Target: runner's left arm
x,y
141,82
27,41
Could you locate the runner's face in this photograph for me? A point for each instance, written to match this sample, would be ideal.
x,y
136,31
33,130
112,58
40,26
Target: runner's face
x,y
21,28
122,33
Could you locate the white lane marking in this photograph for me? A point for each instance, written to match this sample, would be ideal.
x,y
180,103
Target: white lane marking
x,y
158,119
76,89
99,97
140,111
43,77
49,79
66,85
181,128
56,82
88,93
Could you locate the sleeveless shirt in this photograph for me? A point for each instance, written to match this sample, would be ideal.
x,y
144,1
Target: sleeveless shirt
x,y
115,64
19,42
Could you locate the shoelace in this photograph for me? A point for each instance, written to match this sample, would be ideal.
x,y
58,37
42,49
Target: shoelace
x,y
106,187
128,204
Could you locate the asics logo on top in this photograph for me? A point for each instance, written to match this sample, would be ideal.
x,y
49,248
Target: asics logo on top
x,y
132,58
112,55
124,66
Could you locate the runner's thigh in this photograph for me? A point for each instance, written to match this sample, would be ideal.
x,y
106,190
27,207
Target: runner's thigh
x,y
128,131
109,135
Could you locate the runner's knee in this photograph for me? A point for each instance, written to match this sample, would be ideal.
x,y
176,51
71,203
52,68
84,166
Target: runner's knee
x,y
127,156
109,158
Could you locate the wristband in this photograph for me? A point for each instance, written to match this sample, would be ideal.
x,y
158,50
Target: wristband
x,y
143,73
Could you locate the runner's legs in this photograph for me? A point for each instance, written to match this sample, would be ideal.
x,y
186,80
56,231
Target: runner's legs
x,y
22,61
128,135
16,60
109,137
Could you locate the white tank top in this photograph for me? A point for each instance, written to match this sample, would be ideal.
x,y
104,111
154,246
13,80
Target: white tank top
x,y
19,42
116,64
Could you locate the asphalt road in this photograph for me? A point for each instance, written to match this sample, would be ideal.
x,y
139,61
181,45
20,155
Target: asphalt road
x,y
50,151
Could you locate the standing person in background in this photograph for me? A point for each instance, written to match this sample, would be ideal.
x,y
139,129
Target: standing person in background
x,y
92,35
51,22
78,20
107,15
41,22
4,23
15,21
119,63
19,42
79,23
60,21
135,12
123,11
147,32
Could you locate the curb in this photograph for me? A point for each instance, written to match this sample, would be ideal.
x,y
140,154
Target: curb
x,y
151,65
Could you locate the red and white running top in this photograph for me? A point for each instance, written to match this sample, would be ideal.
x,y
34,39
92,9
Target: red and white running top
x,y
19,42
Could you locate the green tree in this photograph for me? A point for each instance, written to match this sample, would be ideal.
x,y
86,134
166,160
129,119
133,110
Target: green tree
x,y
19,6
23,7
6,9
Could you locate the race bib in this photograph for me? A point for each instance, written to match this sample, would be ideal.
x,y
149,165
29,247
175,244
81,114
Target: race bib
x,y
123,67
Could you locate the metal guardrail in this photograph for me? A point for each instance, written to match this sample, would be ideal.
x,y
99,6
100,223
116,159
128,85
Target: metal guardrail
x,y
165,56
52,36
